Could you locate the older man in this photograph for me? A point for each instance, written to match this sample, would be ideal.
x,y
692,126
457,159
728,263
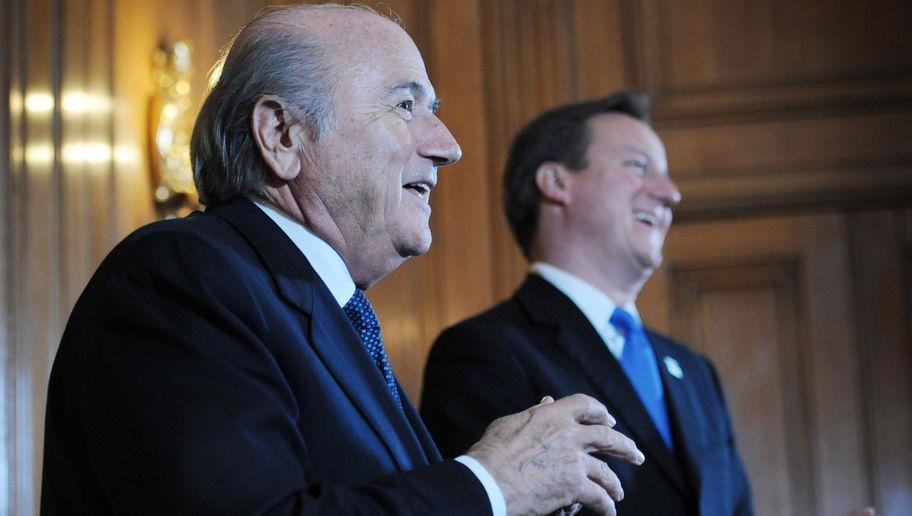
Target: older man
x,y
229,362
589,200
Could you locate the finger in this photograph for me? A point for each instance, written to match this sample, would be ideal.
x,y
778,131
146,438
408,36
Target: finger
x,y
587,410
599,472
596,499
546,400
597,438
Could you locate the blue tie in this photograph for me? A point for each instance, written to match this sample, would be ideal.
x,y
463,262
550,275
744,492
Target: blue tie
x,y
639,362
362,316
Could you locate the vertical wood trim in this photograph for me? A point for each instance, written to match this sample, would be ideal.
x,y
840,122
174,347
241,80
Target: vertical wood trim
x,y
134,28
878,256
106,87
29,52
6,388
14,297
101,185
640,44
794,363
834,365
74,200
46,286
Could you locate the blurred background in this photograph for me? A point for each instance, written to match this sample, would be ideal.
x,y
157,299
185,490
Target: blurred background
x,y
789,132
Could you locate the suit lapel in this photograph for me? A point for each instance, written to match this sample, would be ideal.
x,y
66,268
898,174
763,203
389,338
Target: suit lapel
x,y
683,402
576,337
332,336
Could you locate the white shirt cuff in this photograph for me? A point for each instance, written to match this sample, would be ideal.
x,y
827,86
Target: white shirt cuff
x,y
495,496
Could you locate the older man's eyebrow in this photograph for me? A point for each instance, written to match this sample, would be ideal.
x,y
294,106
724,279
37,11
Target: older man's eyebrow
x,y
419,91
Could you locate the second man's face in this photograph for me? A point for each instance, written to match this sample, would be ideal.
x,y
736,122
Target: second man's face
x,y
621,202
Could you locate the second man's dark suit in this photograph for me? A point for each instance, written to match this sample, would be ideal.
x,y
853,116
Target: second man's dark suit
x,y
539,343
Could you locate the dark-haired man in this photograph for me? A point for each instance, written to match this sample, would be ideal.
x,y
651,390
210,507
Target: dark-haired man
x,y
589,200
229,362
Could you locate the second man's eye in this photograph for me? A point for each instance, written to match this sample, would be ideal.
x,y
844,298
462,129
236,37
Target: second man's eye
x,y
638,165
406,105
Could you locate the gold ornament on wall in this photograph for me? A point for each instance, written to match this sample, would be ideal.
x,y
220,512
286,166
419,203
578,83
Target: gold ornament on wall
x,y
171,123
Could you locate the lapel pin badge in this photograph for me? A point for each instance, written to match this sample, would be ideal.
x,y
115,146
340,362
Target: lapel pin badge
x,y
673,367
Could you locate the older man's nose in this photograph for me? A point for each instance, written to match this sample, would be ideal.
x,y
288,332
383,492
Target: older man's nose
x,y
439,146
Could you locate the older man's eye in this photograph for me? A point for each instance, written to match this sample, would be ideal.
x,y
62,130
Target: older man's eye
x,y
407,105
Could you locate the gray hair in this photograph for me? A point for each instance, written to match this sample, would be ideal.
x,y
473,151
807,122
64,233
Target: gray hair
x,y
268,56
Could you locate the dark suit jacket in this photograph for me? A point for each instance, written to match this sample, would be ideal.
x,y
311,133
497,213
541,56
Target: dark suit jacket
x,y
206,369
539,343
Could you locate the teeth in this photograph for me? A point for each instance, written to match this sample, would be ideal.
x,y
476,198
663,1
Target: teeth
x,y
646,217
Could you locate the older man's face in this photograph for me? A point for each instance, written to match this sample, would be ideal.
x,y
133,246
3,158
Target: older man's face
x,y
376,167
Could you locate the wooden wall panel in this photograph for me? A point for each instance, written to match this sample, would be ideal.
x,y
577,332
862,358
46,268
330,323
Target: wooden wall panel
x,y
747,317
765,299
598,44
791,162
882,258
748,55
834,362
773,103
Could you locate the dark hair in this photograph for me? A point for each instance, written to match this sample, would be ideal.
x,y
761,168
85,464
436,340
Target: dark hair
x,y
560,135
268,56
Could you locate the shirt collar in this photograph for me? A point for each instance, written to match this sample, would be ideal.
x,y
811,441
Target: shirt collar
x,y
595,304
327,263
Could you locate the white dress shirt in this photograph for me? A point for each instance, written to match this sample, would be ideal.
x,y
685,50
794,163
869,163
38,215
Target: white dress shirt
x,y
331,268
595,304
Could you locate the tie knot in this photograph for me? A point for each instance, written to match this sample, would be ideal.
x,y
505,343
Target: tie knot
x,y
360,312
623,321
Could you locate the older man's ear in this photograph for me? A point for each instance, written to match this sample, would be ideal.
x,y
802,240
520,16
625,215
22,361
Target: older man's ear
x,y
276,135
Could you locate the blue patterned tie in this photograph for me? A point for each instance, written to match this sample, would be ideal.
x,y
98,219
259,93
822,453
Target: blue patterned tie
x,y
640,364
362,316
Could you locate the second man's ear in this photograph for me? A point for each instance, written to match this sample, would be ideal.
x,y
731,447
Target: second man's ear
x,y
276,136
553,181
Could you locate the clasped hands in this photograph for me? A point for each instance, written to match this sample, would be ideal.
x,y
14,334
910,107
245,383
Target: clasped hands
x,y
541,458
